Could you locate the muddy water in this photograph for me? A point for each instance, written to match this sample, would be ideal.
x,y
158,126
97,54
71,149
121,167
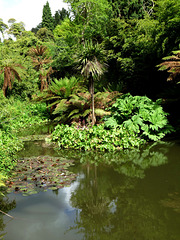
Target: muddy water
x,y
137,196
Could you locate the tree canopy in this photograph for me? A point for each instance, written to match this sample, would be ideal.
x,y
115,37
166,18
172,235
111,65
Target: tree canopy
x,y
135,36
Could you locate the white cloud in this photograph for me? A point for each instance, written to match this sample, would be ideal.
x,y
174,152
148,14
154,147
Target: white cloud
x,y
29,12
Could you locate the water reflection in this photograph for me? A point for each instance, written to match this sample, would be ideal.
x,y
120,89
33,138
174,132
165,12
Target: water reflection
x,y
5,206
132,163
118,206
42,216
131,196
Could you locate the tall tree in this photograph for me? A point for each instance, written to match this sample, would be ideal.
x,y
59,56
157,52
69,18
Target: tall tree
x,y
92,66
47,19
92,17
15,29
3,27
60,15
132,9
10,67
40,62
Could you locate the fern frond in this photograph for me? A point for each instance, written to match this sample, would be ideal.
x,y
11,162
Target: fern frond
x,y
61,107
100,112
86,112
73,112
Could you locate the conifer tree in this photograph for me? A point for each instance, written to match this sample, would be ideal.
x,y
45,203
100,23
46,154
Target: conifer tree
x,y
47,19
60,15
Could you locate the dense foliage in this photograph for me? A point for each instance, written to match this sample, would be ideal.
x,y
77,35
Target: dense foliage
x,y
14,117
135,36
78,62
132,122
141,115
95,138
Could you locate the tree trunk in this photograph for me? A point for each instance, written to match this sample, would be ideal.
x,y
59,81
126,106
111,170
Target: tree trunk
x,y
7,80
91,90
43,82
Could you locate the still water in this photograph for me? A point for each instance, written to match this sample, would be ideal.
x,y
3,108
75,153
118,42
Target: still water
x,y
134,196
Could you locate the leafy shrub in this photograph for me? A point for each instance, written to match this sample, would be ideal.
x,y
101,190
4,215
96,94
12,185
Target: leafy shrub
x,y
95,138
78,107
58,90
2,184
140,115
9,146
15,116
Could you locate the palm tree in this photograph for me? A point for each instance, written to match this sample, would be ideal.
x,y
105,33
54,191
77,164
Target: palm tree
x,y
10,69
40,62
91,62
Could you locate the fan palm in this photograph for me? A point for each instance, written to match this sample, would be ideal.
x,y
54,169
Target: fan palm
x,y
91,63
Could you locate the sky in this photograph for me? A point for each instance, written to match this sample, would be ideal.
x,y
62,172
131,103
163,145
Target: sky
x,y
27,11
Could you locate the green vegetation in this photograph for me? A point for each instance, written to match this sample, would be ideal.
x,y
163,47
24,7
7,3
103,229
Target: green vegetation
x,y
47,19
76,65
132,122
38,174
95,138
2,184
14,117
140,115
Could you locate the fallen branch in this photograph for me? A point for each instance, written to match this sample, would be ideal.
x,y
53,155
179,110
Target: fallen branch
x,y
6,214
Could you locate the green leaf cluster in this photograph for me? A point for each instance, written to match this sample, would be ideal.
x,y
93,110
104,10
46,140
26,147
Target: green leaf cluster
x,y
9,146
95,138
15,116
140,115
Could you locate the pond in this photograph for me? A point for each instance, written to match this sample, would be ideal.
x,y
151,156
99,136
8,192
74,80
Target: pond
x,y
133,195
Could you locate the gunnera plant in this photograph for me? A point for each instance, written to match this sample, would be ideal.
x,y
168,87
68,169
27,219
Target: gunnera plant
x,y
140,115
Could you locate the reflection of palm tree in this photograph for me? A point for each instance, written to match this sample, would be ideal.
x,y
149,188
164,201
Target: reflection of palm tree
x,y
113,206
94,204
91,200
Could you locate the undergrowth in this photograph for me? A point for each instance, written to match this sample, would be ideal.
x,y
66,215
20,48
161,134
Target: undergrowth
x,y
133,121
95,138
14,117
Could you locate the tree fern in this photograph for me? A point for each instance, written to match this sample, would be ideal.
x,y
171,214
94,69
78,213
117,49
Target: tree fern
x,y
172,65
